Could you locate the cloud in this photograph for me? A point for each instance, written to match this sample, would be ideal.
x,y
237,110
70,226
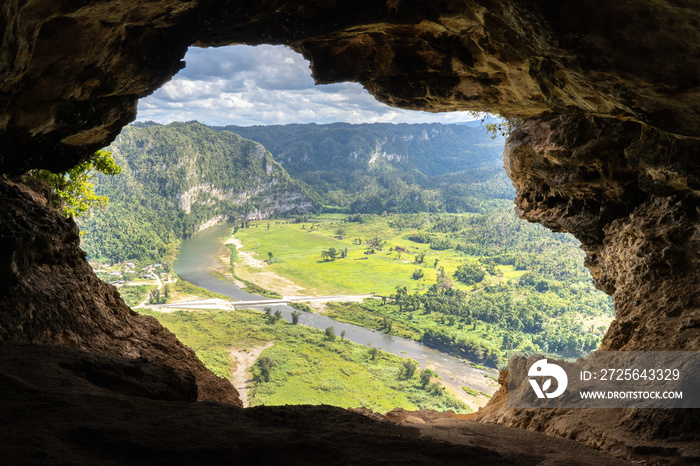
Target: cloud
x,y
263,85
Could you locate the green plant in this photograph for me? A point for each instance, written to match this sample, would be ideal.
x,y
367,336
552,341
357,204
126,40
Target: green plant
x,y
425,377
72,191
409,368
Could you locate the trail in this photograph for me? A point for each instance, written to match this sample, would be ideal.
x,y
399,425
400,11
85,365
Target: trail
x,y
160,285
241,375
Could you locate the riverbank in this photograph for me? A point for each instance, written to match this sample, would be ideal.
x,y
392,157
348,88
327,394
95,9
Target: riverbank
x,y
254,270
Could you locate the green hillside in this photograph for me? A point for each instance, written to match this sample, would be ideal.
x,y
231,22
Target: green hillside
x,y
397,168
177,177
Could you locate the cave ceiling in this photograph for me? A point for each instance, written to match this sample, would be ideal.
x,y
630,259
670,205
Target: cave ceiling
x,y
71,72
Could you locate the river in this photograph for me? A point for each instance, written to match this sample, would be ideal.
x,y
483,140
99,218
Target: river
x,y
199,257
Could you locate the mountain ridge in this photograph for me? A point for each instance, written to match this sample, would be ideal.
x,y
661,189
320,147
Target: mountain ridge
x,y
183,176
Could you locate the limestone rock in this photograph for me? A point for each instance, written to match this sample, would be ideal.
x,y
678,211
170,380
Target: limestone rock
x,y
53,411
50,296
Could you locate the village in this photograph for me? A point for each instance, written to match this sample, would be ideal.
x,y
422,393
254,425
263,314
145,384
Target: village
x,y
127,273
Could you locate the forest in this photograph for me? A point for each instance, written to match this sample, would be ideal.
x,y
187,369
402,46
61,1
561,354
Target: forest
x,y
176,178
179,176
375,168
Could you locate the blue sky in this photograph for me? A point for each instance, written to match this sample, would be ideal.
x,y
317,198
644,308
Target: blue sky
x,y
265,85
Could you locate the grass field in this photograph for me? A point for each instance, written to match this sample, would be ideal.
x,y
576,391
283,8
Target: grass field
x,y
135,294
297,247
306,367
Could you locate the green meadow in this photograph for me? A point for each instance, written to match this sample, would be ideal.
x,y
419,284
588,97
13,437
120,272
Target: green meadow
x,y
297,255
135,294
481,286
305,367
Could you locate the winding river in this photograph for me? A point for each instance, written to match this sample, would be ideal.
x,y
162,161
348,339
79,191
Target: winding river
x,y
199,257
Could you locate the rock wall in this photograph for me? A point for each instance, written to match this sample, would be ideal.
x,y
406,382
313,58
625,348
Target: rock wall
x,y
72,72
49,295
630,194
608,92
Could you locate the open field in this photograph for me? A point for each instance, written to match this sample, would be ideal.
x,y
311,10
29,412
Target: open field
x,y
484,287
305,366
297,248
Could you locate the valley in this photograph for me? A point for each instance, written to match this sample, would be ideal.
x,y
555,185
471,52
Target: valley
x,y
480,285
434,250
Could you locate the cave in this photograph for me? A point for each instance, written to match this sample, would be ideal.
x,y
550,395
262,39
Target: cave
x,y
606,96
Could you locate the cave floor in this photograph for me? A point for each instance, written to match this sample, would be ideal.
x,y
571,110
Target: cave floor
x,y
64,406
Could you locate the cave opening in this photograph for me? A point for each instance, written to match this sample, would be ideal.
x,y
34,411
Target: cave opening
x,y
421,221
607,150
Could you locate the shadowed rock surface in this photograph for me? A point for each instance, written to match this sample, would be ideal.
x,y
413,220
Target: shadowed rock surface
x,y
607,150
67,408
49,295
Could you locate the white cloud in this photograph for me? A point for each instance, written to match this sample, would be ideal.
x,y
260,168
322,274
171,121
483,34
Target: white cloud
x,y
264,85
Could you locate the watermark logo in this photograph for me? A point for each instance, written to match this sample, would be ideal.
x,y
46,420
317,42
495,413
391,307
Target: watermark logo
x,y
544,369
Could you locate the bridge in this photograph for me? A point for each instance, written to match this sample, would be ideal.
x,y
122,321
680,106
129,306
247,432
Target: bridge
x,y
223,304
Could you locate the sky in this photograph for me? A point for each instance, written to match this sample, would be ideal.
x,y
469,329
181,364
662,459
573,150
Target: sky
x,y
266,85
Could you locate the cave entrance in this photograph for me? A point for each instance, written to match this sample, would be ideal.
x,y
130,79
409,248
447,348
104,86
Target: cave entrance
x,y
378,227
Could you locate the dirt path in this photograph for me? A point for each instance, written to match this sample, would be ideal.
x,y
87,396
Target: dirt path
x,y
260,275
241,376
143,303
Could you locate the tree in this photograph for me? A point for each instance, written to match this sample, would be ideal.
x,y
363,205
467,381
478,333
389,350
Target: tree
x,y
265,364
401,294
342,335
72,191
409,368
375,243
469,274
329,254
425,377
387,323
330,334
269,255
272,318
417,274
154,296
295,317
373,352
